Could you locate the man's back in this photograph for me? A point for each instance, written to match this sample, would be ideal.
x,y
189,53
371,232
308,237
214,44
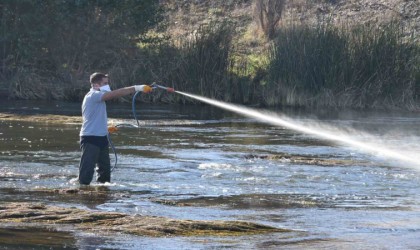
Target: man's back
x,y
94,115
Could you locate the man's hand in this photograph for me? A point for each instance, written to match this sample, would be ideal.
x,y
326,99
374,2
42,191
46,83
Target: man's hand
x,y
143,88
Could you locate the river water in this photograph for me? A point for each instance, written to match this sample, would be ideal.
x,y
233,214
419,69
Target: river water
x,y
220,166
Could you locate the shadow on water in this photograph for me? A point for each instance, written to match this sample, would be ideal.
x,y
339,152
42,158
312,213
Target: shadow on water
x,y
90,197
12,237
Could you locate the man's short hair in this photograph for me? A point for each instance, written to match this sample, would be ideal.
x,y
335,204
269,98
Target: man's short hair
x,y
97,77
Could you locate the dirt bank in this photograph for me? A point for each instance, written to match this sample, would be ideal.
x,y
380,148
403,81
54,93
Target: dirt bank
x,y
189,15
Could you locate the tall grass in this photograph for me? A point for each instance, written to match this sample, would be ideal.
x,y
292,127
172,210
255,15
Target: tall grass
x,y
203,60
364,66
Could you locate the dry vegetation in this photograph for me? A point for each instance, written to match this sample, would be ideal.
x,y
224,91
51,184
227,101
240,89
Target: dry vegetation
x,y
186,16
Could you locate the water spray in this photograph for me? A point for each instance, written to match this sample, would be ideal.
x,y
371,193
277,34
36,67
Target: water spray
x,y
283,121
276,120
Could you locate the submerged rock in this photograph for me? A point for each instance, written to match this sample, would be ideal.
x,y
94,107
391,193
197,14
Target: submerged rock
x,y
307,160
24,214
246,201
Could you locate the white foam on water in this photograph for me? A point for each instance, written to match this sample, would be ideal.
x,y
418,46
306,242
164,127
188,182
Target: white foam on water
x,y
373,146
218,166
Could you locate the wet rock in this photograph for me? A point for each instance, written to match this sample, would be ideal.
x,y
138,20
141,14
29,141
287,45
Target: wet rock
x,y
307,160
280,201
67,191
247,201
25,214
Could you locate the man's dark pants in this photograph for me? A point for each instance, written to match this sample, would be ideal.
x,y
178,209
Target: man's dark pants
x,y
93,155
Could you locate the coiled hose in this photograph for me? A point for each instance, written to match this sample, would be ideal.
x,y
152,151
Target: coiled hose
x,y
133,107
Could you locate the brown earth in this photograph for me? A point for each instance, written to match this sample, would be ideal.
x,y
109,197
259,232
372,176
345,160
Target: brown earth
x,y
184,17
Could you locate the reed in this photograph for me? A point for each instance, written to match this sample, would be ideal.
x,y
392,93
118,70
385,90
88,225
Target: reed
x,y
364,66
203,60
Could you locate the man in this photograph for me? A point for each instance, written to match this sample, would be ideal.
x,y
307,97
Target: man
x,y
94,131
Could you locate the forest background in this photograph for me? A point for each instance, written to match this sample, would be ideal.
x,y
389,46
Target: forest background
x,y
306,53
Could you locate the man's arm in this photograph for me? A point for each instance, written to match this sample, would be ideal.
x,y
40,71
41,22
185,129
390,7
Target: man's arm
x,y
125,91
118,93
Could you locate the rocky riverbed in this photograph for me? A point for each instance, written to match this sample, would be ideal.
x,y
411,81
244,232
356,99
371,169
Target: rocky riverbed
x,y
30,214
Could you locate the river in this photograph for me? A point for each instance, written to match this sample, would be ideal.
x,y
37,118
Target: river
x,y
199,162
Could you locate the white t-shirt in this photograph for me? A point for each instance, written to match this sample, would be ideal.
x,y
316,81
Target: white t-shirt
x,y
95,119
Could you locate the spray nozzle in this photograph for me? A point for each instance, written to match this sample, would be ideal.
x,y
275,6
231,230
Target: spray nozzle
x,y
154,86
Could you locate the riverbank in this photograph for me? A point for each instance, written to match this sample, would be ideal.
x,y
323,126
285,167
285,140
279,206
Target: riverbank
x,y
338,54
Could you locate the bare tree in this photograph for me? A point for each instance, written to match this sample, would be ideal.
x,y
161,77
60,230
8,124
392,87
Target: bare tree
x,y
268,14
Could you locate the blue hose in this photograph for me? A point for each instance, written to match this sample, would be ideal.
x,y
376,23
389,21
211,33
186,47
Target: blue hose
x,y
133,107
113,149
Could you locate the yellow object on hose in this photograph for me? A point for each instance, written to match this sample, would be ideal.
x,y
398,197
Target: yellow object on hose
x,y
147,89
112,129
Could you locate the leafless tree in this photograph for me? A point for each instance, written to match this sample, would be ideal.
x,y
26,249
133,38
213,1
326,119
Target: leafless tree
x,y
268,14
